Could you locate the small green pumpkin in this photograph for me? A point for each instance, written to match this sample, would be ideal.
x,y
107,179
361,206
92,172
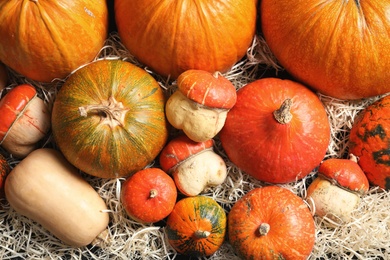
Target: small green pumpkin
x,y
196,226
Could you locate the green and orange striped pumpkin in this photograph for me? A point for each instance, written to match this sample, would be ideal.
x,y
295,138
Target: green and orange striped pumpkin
x,y
196,226
108,119
369,140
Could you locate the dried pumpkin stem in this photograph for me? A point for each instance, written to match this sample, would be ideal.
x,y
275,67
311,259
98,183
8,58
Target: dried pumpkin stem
x,y
113,111
153,193
283,115
264,229
202,234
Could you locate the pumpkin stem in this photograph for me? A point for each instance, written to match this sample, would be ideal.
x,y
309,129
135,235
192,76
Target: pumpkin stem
x,y
216,74
113,111
353,157
202,234
283,115
264,229
153,193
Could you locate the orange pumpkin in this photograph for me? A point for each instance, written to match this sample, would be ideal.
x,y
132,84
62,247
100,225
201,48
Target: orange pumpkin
x,y
196,226
340,48
173,36
44,40
108,119
271,223
278,130
149,195
369,140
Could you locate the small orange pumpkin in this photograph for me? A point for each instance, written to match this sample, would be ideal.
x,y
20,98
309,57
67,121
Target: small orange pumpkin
x,y
271,223
369,140
149,195
196,226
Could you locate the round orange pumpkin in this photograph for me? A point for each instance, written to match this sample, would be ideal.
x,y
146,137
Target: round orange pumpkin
x,y
196,226
278,130
108,119
173,36
271,223
44,40
340,48
149,195
369,140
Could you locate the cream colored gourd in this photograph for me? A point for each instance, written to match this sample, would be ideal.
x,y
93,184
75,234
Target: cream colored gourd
x,y
194,175
197,121
47,189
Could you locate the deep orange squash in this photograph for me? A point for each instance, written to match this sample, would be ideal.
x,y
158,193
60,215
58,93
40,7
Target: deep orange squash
x,y
278,131
108,119
369,140
173,36
271,223
196,226
44,40
149,195
340,48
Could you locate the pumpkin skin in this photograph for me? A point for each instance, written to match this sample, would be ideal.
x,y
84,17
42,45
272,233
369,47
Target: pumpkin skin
x,y
212,35
271,223
340,48
196,226
269,150
369,141
149,195
71,33
122,138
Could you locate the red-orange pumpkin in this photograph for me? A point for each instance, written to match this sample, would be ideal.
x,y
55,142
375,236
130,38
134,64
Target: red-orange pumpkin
x,y
196,226
108,119
44,40
149,195
271,223
340,48
369,140
278,131
174,36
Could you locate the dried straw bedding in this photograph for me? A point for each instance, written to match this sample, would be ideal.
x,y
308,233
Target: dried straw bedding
x,y
367,237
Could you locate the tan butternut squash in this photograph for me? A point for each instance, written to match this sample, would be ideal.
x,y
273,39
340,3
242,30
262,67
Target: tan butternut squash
x,y
49,190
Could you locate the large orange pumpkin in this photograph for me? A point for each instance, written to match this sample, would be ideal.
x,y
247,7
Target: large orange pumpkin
x,y
271,223
44,40
340,48
369,140
174,36
108,119
278,130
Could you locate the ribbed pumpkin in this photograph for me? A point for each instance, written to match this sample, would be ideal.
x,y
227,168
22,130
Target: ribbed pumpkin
x,y
44,40
340,48
174,36
369,140
271,223
278,130
108,118
196,226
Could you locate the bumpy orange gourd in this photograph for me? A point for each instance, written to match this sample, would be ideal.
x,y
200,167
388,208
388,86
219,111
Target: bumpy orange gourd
x,y
340,48
5,169
369,141
278,130
44,40
271,223
173,36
